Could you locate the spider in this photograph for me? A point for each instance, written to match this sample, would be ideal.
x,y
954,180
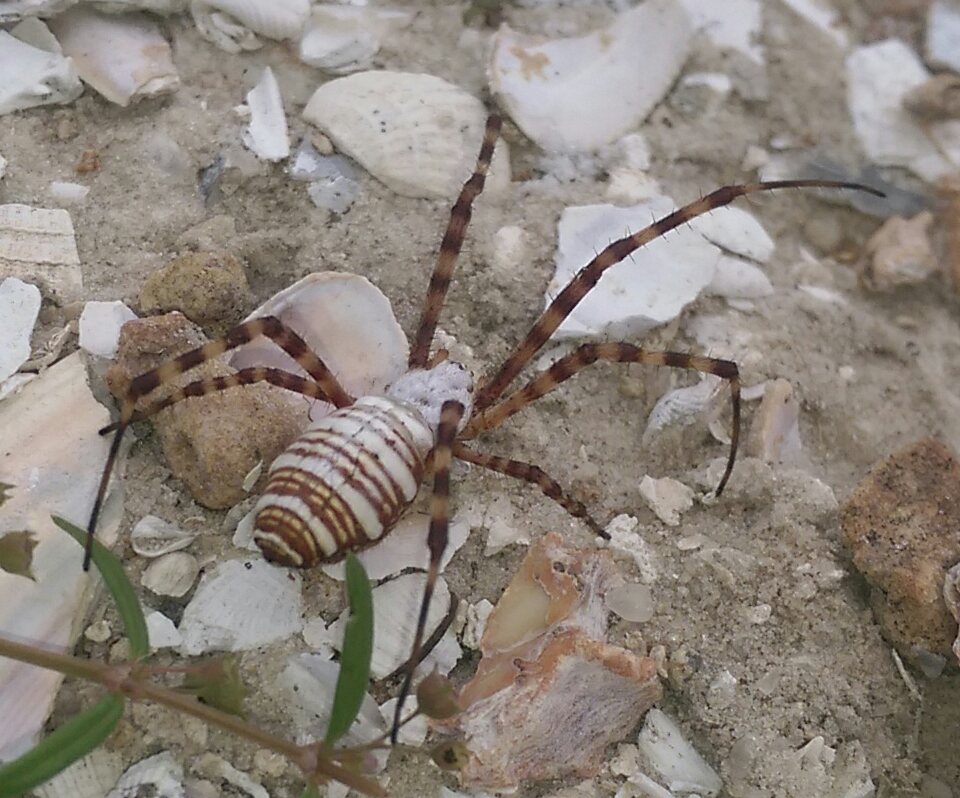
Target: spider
x,y
344,483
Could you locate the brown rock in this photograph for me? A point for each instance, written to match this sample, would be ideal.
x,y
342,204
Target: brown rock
x,y
900,253
902,523
210,442
550,695
209,288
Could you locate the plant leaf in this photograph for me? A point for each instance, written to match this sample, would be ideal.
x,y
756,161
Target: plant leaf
x,y
73,740
218,684
16,553
120,588
354,673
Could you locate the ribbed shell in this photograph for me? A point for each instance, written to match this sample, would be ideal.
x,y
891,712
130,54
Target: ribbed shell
x,y
344,483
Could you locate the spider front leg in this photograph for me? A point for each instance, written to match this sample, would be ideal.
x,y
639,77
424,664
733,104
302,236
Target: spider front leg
x,y
437,538
618,352
324,384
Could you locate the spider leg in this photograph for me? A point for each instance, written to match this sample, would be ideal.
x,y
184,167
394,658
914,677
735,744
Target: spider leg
x,y
563,304
267,326
533,474
248,376
437,537
618,352
450,246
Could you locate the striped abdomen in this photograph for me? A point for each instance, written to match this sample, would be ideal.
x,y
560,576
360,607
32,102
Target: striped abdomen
x,y
344,483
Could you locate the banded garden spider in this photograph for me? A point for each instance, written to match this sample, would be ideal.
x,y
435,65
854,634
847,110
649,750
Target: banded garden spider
x,y
345,482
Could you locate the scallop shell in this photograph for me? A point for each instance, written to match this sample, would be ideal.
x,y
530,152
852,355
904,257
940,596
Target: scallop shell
x,y
33,76
153,537
38,245
242,605
171,575
346,320
232,25
581,93
53,457
123,57
417,133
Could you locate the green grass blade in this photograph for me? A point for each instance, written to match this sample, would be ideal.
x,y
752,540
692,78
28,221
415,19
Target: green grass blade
x,y
120,588
354,673
72,741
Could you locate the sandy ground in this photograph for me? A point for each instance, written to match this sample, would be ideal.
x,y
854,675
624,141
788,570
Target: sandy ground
x,y
818,666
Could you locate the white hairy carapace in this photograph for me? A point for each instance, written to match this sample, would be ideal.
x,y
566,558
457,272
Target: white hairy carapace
x,y
347,480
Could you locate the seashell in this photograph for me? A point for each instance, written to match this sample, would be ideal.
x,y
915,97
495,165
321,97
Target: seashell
x,y
682,404
951,596
736,231
942,45
19,308
162,631
477,616
549,695
730,26
774,435
736,278
214,767
242,605
90,777
34,76
405,547
52,457
153,537
14,10
3,166
124,58
266,135
232,25
666,497
416,133
342,39
567,94
647,290
346,320
38,245
161,772
171,575
396,605
100,324
674,759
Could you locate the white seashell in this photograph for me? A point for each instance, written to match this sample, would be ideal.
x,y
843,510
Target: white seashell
x,y
171,575
162,631
674,759
736,278
232,25
3,166
666,497
568,94
100,324
267,132
13,10
942,44
405,547
19,308
53,457
396,605
879,76
39,245
161,772
242,605
346,320
416,133
307,686
736,231
342,39
682,404
775,433
477,615
124,58
650,288
153,537
731,25
90,777
33,76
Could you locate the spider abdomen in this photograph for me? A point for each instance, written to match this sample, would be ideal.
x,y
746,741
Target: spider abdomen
x,y
344,483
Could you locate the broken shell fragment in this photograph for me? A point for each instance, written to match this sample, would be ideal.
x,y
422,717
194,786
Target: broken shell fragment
x,y
161,772
266,134
774,436
33,76
675,759
416,133
562,92
171,575
233,25
123,56
19,307
667,497
100,324
38,245
154,537
342,39
549,695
